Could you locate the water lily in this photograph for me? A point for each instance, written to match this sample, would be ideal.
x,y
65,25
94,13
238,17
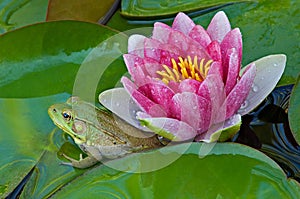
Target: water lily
x,y
187,82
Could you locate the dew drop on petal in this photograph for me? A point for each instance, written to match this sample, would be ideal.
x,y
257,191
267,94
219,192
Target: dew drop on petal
x,y
244,105
254,88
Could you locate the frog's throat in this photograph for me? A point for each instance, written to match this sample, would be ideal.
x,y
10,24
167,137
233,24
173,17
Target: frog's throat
x,y
66,128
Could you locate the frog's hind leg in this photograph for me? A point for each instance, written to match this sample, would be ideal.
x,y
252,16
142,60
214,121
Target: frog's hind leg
x,y
82,163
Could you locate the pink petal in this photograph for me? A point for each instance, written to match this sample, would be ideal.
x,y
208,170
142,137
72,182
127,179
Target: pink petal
x,y
241,90
216,69
160,94
233,62
232,40
161,52
183,23
199,34
135,66
187,45
141,100
189,85
161,32
152,66
168,127
136,45
195,110
212,89
214,50
218,27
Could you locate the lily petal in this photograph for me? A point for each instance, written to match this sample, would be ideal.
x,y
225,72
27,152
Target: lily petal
x,y
214,50
238,94
135,66
222,131
183,23
233,39
145,66
136,44
218,27
119,102
161,32
160,94
194,110
162,53
233,62
199,34
144,102
189,85
269,71
168,127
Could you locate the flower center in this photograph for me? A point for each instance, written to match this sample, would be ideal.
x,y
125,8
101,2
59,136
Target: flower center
x,y
185,69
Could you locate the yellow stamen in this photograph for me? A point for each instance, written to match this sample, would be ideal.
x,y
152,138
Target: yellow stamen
x,y
186,68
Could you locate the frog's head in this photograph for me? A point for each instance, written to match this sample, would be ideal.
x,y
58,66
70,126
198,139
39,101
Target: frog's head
x,y
64,117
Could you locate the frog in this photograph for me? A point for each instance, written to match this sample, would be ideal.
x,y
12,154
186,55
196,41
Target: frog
x,y
98,133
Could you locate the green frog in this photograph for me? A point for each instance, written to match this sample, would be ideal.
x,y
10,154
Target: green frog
x,y
99,133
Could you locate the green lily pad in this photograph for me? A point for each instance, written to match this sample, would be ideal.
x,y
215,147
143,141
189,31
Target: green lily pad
x,y
228,171
148,8
19,13
45,59
294,110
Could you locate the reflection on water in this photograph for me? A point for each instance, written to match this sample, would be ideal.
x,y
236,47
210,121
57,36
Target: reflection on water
x,y
267,129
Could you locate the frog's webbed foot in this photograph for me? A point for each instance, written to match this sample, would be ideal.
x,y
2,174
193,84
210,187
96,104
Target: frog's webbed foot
x,y
82,163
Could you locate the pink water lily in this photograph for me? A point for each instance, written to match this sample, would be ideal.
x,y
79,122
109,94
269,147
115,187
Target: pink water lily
x,y
187,81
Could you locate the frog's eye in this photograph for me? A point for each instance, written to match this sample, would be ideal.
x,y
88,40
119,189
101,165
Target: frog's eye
x,y
67,115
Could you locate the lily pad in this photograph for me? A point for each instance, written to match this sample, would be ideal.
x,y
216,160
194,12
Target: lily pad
x,y
44,59
25,131
19,13
294,110
148,8
228,171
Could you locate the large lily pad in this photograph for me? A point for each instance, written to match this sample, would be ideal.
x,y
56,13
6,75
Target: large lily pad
x,y
228,171
294,110
44,59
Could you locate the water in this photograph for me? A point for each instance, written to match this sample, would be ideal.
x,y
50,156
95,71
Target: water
x,y
267,129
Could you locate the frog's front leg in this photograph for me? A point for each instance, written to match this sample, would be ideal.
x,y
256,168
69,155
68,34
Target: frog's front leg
x,y
82,163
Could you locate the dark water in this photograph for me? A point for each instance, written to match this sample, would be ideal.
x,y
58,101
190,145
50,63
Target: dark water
x,y
267,129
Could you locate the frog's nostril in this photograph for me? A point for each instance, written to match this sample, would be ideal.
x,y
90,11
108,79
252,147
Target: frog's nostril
x,y
54,110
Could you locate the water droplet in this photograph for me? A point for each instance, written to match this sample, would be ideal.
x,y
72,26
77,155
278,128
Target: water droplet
x,y
254,88
153,49
176,41
275,65
117,104
245,104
